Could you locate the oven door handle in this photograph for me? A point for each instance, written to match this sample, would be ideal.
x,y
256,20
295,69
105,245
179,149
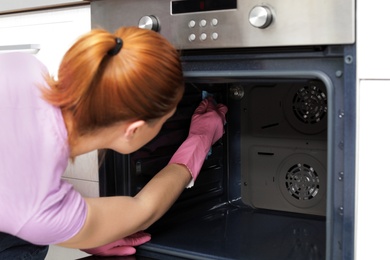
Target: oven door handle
x,y
28,48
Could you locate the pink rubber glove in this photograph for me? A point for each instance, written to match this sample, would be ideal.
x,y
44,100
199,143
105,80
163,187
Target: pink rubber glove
x,y
206,128
121,247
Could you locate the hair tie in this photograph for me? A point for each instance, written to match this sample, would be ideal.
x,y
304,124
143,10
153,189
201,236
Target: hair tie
x,y
118,46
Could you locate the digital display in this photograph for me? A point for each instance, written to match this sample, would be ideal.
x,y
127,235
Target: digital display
x,y
191,6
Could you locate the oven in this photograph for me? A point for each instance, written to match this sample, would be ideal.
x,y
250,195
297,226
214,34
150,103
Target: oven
x,y
280,183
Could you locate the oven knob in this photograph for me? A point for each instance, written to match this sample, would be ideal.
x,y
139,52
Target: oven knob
x,y
149,22
260,16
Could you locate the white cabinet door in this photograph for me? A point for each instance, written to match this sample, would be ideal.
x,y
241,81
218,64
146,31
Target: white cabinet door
x,y
373,39
21,5
84,168
89,189
55,31
373,175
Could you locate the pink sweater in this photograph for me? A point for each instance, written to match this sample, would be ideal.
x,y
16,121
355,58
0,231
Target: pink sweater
x,y
35,203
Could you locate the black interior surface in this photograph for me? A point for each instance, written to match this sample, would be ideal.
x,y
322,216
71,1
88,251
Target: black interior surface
x,y
229,232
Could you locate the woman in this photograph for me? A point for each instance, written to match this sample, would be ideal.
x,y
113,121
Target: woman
x,y
114,91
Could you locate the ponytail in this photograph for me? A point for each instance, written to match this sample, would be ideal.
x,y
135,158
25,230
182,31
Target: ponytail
x,y
102,82
78,69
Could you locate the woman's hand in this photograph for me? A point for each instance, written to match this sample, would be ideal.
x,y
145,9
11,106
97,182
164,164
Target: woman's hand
x,y
206,128
121,247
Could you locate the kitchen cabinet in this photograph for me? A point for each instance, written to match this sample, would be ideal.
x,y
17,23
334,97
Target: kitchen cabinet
x,y
83,174
372,175
373,40
23,5
373,142
52,32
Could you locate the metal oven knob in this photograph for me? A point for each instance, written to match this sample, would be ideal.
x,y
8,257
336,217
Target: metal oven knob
x,y
149,22
260,16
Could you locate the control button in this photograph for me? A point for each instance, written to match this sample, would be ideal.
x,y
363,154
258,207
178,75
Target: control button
x,y
214,36
203,37
149,22
192,37
260,16
191,24
202,23
214,22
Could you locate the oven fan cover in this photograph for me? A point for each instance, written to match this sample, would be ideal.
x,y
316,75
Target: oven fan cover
x,y
306,107
302,180
284,179
285,110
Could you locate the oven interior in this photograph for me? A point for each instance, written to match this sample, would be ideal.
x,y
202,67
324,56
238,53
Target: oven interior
x,y
261,193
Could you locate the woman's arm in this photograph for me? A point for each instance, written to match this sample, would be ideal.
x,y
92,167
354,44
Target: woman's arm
x,y
112,218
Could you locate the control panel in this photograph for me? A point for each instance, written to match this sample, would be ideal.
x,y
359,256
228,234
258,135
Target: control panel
x,y
198,24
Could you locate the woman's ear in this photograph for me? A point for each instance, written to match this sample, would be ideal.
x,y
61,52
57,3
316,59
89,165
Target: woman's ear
x,y
132,128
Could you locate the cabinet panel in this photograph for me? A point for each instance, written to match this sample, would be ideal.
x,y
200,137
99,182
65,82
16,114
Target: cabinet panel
x,y
88,189
373,176
54,30
85,167
22,5
372,40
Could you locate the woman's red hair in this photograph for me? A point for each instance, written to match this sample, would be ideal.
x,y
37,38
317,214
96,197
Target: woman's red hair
x,y
143,81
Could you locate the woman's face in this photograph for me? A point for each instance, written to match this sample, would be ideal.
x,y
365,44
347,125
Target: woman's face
x,y
142,135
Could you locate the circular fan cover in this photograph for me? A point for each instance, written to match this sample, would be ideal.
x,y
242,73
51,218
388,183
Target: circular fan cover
x,y
310,104
302,182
